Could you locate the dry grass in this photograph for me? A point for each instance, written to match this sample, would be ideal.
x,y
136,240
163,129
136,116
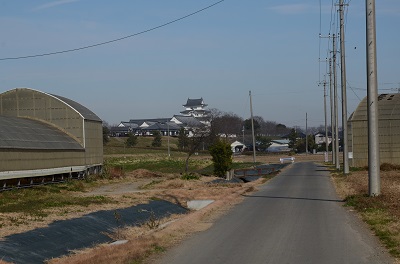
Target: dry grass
x,y
382,213
145,242
152,237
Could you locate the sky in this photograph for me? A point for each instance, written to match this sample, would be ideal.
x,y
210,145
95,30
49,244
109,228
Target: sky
x,y
271,48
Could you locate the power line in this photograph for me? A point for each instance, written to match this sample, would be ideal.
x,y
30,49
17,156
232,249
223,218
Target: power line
x,y
114,40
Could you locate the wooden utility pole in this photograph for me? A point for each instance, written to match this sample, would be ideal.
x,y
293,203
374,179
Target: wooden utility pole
x,y
372,99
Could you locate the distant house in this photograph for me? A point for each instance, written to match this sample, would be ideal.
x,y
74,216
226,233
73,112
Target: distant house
x,y
320,138
237,147
186,121
143,123
120,131
281,145
164,128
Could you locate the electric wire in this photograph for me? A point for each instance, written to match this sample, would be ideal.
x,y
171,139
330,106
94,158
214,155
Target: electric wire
x,y
113,40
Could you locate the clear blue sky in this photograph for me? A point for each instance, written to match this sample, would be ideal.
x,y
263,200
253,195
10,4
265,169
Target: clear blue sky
x,y
269,47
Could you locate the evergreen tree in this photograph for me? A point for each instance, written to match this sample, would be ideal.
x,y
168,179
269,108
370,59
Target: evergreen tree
x,y
293,139
221,153
157,139
263,142
106,132
182,139
131,141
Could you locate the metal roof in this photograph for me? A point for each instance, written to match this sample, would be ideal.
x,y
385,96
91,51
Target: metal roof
x,y
24,133
85,112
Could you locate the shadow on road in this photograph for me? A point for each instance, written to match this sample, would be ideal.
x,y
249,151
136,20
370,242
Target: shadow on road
x,y
323,170
303,175
294,198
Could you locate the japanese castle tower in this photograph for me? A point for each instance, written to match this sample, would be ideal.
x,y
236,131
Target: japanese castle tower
x,y
196,108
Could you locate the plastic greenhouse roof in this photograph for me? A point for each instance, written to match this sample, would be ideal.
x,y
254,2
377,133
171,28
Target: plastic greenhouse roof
x,y
23,133
85,112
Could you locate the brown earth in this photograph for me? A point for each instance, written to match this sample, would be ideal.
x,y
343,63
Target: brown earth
x,y
139,187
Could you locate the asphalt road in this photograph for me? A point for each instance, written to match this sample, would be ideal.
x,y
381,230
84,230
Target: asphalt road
x,y
295,218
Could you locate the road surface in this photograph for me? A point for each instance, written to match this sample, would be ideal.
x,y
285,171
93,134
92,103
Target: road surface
x,y
294,218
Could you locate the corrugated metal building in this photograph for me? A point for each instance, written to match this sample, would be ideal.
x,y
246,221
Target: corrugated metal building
x,y
43,134
389,131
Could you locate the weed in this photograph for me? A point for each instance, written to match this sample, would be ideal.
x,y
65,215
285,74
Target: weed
x,y
35,201
389,167
158,248
250,189
373,212
151,184
152,222
117,217
190,176
351,201
358,168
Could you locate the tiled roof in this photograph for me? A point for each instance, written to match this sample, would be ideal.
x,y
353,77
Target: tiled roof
x,y
153,120
188,120
194,102
163,126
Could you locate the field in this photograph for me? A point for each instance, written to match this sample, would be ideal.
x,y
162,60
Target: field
x,y
136,175
131,176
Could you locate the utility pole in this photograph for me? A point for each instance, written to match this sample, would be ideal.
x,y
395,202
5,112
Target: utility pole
x,y
332,111
344,92
252,129
372,99
243,134
306,137
326,125
169,153
335,103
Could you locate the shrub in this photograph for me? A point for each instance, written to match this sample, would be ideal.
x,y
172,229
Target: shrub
x,y
157,139
131,141
221,153
190,176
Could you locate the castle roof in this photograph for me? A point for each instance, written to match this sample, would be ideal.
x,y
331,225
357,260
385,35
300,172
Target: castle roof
x,y
194,102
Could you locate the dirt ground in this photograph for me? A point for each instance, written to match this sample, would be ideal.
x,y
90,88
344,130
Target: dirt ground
x,y
139,187
128,191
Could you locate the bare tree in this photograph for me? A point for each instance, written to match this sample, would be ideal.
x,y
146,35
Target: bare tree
x,y
227,124
197,136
